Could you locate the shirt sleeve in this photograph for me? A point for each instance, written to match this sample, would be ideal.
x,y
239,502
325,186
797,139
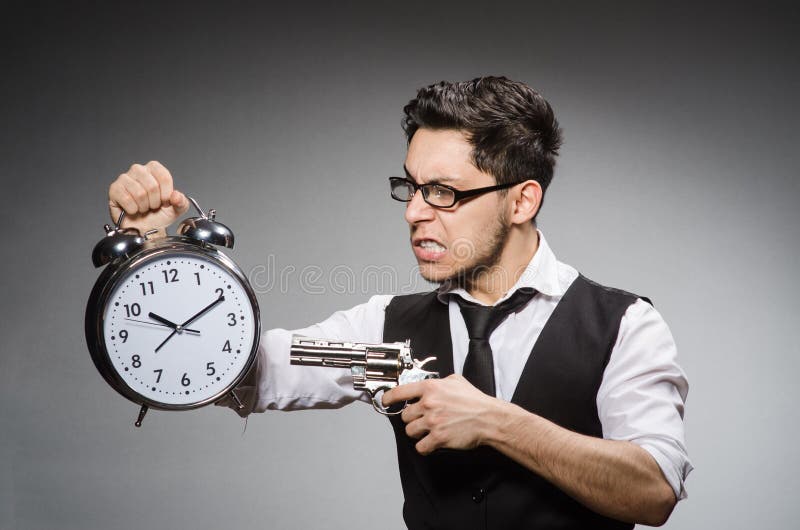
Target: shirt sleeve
x,y
274,383
642,396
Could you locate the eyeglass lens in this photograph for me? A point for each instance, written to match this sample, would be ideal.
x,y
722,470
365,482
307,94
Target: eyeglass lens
x,y
434,194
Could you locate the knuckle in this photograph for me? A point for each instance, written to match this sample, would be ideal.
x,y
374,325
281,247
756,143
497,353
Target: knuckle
x,y
426,403
136,168
151,186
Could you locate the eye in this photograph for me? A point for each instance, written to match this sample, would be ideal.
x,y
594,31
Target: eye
x,y
439,192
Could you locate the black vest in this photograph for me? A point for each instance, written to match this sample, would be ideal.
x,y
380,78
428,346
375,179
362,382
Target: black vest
x,y
483,489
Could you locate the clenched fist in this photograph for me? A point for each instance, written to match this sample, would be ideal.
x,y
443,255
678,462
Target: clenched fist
x,y
146,194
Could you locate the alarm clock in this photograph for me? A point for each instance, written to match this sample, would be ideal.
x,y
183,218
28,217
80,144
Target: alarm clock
x,y
172,323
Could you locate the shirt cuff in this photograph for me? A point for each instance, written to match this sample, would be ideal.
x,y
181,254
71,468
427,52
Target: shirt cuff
x,y
674,467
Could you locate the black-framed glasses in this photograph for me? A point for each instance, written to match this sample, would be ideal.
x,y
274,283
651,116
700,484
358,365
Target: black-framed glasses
x,y
438,195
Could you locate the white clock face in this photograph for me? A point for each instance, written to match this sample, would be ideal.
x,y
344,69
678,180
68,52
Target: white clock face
x,y
179,328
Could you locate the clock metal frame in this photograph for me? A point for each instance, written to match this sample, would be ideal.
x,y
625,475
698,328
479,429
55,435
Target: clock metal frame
x,y
119,269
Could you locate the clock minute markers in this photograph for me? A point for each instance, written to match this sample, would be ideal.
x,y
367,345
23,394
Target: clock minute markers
x,y
191,319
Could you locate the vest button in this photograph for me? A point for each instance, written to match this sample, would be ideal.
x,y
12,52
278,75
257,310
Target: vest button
x,y
478,495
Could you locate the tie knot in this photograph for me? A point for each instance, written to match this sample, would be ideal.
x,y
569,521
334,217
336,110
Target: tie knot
x,y
482,320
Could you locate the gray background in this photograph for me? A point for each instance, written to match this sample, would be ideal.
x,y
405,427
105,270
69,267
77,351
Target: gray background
x,y
677,180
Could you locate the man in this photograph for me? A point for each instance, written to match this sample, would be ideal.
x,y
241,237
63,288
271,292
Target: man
x,y
569,410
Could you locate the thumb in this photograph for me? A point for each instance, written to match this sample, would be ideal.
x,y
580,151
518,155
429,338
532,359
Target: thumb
x,y
179,201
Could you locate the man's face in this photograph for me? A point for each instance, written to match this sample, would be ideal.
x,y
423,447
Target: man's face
x,y
456,242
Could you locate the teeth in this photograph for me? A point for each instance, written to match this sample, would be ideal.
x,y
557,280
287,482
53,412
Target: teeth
x,y
432,245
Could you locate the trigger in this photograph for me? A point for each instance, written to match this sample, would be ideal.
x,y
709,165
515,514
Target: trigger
x,y
377,404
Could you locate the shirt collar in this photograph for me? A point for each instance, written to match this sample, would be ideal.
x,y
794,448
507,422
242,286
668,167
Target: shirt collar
x,y
541,274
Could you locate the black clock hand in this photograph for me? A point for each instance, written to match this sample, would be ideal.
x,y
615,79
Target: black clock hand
x,y
163,320
168,323
174,331
203,311
187,330
191,319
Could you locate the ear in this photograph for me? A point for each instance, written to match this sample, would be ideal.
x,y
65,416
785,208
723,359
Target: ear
x,y
527,198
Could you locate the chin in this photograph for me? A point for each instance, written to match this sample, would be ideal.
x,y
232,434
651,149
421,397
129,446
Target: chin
x,y
435,273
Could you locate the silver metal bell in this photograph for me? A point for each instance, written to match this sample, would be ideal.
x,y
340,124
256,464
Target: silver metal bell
x,y
119,242
205,228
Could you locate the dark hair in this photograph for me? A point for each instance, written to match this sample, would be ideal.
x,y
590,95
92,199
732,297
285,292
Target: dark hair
x,y
512,128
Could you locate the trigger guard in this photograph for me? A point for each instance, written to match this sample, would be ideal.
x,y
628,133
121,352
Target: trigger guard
x,y
378,406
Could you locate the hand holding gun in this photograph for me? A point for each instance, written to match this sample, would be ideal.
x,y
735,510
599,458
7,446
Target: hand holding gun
x,y
375,367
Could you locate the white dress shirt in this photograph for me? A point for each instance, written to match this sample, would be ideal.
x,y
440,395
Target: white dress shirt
x,y
641,396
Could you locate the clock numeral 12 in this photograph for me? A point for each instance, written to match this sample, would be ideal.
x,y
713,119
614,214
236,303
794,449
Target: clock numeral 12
x,y
170,275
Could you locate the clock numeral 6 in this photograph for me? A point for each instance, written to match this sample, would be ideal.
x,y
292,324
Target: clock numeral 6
x,y
185,381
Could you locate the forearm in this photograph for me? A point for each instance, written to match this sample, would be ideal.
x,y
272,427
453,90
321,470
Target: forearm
x,y
276,384
617,479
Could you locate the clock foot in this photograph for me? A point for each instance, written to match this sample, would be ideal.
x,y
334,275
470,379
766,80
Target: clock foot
x,y
236,400
142,412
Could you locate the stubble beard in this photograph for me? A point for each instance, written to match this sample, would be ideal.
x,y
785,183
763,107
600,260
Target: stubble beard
x,y
486,254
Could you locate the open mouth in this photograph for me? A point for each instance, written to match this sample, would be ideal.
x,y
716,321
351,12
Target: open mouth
x,y
428,249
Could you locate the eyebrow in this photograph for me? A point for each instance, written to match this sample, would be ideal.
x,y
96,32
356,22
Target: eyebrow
x,y
439,180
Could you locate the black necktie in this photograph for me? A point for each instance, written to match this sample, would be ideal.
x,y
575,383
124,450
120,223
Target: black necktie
x,y
481,321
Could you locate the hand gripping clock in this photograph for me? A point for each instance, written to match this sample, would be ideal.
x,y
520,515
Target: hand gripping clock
x,y
171,323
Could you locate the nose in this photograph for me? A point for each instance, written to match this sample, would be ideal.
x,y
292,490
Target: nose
x,y
417,210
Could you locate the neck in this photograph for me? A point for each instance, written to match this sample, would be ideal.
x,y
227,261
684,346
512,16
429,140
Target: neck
x,y
491,284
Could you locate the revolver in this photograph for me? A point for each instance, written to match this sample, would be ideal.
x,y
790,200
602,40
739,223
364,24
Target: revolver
x,y
375,367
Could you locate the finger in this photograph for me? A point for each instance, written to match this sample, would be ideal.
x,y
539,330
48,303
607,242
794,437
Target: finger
x,y
426,445
412,412
136,191
145,178
417,429
120,200
405,392
164,178
113,211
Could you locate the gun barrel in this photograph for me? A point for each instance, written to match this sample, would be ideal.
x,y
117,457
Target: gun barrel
x,y
316,352
374,367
